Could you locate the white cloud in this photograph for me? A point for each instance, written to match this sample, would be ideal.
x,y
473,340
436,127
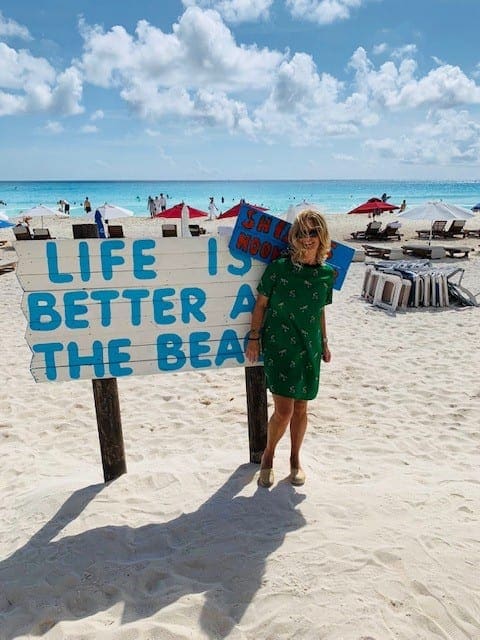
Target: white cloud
x,y
380,48
342,156
199,73
404,51
11,29
235,11
54,127
306,106
446,137
30,85
97,115
200,52
322,11
89,128
396,87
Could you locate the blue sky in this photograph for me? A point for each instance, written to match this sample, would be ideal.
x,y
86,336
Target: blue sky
x,y
240,89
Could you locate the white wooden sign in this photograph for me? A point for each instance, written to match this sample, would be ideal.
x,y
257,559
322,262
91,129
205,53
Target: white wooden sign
x,y
122,307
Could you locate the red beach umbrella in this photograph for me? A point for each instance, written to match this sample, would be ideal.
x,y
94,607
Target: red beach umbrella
x,y
176,212
374,206
234,211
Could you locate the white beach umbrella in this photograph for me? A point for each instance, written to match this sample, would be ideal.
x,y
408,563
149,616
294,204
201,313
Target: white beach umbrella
x,y
40,211
185,219
294,209
112,211
436,211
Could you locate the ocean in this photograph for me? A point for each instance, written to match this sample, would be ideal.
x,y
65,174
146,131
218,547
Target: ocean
x,y
333,196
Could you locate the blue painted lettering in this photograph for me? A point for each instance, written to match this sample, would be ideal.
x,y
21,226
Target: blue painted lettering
x,y
135,296
52,264
117,357
41,304
228,348
72,309
49,351
160,305
84,255
212,257
76,361
105,296
193,299
108,260
140,260
170,356
197,350
244,302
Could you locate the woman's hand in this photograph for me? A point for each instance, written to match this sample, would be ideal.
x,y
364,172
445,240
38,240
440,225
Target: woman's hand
x,y
253,350
326,356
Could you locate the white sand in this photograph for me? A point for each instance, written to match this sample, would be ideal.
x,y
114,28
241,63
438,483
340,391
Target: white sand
x,y
382,542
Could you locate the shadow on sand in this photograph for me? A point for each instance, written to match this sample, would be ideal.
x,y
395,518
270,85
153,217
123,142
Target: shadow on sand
x,y
220,551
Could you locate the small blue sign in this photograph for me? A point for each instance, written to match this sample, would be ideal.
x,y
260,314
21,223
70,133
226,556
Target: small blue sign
x,y
265,237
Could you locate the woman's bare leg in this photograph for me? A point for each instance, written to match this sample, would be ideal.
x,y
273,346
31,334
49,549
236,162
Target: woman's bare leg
x,y
277,425
298,427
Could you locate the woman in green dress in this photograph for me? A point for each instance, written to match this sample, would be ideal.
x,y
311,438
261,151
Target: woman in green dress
x,y
289,327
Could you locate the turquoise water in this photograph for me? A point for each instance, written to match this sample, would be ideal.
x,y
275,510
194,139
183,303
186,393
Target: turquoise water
x,y
333,196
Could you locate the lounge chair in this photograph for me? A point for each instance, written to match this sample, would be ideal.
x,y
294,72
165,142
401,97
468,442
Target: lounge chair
x,y
7,266
370,232
386,253
471,233
42,234
391,292
194,229
21,233
457,252
115,231
432,252
437,230
390,232
169,230
455,229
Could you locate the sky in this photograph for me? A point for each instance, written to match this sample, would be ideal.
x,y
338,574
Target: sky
x,y
239,89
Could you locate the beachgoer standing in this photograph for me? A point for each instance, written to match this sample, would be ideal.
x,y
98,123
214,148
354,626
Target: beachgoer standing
x,y
212,210
87,206
162,202
151,206
156,202
403,206
289,327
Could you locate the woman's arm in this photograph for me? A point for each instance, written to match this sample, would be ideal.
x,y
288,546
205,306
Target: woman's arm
x,y
253,345
326,356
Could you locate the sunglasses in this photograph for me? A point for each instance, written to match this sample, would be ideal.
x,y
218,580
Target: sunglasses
x,y
312,233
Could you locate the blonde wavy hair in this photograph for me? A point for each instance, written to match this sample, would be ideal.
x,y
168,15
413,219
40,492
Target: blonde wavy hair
x,y
305,222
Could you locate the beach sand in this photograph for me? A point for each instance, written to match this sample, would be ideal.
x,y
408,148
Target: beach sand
x,y
382,541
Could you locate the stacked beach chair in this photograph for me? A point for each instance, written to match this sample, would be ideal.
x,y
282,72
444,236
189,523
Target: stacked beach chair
x,y
402,284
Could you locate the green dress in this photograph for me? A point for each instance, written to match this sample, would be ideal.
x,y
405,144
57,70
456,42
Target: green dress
x,y
292,336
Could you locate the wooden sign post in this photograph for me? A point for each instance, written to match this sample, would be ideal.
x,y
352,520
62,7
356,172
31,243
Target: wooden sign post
x,y
107,403
105,309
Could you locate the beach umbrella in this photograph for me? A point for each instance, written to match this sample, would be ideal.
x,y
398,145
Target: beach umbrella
x,y
40,211
235,210
5,222
185,219
294,209
112,211
375,206
176,212
436,211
